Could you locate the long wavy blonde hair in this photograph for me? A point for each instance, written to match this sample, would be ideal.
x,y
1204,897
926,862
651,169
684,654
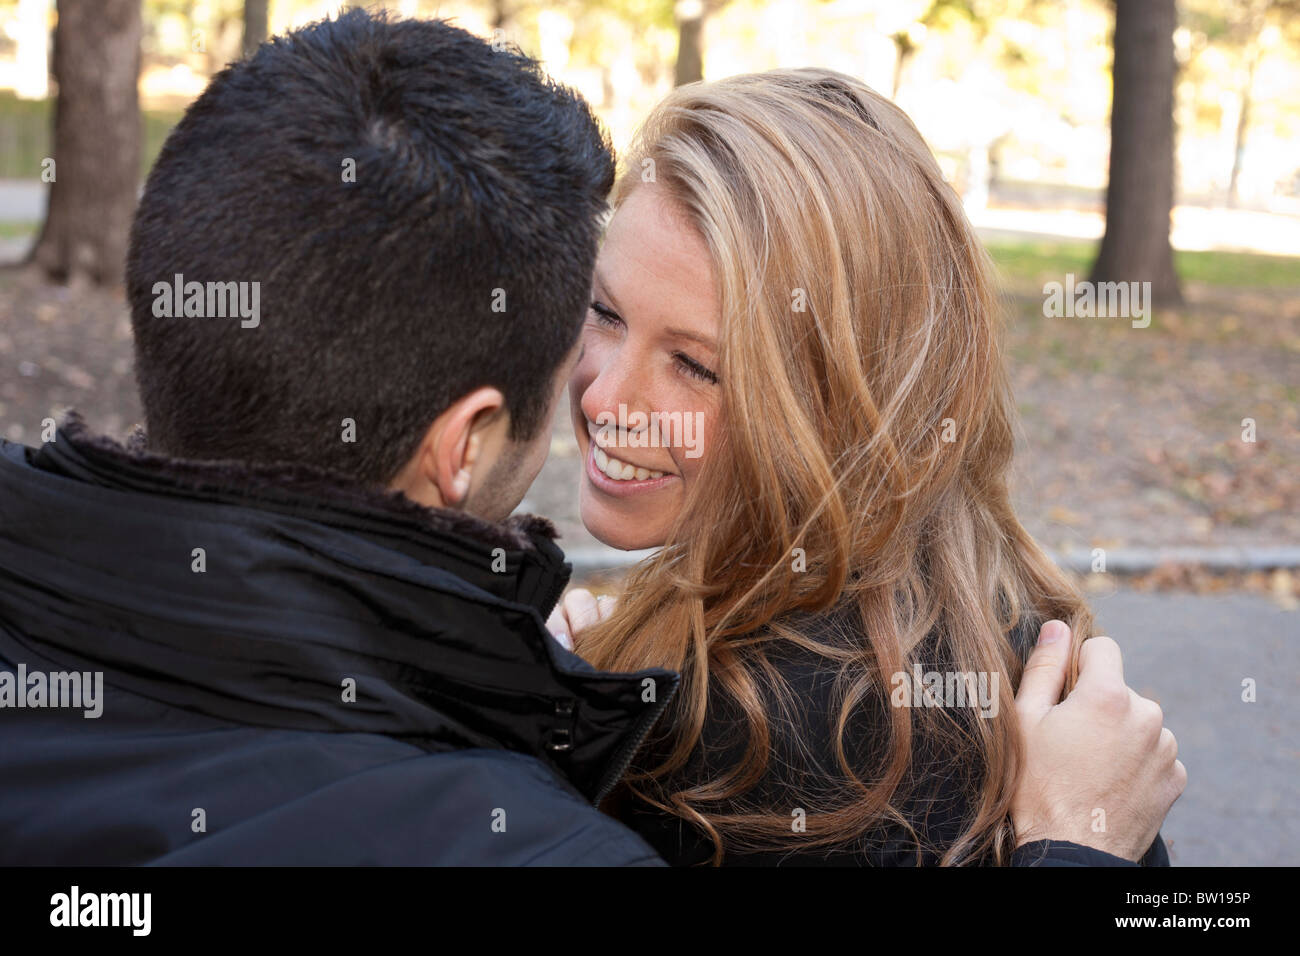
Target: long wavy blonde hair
x,y
862,467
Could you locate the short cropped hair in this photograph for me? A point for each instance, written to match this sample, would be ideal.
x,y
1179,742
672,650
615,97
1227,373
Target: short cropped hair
x,y
419,212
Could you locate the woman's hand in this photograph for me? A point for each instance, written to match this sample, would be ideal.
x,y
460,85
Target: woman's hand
x,y
578,610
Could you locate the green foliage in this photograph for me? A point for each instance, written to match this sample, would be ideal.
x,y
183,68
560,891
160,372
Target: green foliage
x,y
1047,259
25,135
653,13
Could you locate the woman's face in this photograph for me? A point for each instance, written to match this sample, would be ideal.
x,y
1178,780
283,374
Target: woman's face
x,y
645,395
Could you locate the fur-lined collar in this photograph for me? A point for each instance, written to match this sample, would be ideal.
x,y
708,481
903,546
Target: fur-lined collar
x,y
294,480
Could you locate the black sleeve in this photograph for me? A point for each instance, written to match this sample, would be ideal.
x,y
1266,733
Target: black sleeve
x,y
1064,853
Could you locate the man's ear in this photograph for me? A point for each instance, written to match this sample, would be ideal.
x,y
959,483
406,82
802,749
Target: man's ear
x,y
451,453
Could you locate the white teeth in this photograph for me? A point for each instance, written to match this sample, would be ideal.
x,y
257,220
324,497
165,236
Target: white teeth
x,y
621,470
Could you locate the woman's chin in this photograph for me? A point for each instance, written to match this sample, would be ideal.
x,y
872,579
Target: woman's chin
x,y
620,533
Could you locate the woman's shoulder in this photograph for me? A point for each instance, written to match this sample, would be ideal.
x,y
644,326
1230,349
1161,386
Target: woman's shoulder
x,y
830,736
807,697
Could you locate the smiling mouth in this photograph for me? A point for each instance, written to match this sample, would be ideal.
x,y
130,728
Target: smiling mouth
x,y
618,470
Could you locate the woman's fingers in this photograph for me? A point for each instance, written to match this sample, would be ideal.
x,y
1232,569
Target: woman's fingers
x,y
577,611
558,625
581,609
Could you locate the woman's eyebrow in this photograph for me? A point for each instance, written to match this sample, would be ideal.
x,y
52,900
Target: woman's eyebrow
x,y
705,340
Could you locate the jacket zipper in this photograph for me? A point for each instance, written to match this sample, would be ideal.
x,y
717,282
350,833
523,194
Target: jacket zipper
x,y
633,743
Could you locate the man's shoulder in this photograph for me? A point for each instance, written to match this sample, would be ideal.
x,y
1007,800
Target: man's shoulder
x,y
460,808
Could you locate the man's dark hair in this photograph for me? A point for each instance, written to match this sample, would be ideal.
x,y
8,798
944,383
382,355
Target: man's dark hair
x,y
458,255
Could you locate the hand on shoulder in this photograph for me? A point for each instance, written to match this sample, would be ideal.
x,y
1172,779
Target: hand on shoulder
x,y
1101,769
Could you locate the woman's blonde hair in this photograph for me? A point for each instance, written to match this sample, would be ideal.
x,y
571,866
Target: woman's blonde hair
x,y
862,467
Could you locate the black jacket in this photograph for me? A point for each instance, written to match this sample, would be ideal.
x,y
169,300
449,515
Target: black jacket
x,y
225,736
803,764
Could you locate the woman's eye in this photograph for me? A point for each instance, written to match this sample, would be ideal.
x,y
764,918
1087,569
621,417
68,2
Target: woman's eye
x,y
604,315
695,369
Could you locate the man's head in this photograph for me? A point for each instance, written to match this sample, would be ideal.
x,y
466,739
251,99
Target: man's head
x,y
414,217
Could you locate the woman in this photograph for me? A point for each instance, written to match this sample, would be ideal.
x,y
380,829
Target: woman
x,y
793,385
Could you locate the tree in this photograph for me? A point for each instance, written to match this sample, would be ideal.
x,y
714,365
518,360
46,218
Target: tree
x,y
908,39
1140,193
1244,31
690,42
255,25
501,15
691,16
96,162
686,17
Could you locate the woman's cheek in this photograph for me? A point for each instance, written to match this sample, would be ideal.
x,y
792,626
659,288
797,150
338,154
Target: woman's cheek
x,y
690,458
584,373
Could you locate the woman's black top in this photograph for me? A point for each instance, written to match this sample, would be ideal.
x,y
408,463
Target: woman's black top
x,y
802,765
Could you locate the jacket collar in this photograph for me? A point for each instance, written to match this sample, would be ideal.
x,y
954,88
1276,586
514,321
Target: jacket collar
x,y
536,572
308,581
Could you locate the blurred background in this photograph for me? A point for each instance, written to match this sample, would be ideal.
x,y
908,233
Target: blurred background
x,y
1143,140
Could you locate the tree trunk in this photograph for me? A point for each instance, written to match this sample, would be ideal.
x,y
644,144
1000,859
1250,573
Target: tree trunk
x,y
1243,125
690,47
255,25
1140,193
903,50
500,15
96,141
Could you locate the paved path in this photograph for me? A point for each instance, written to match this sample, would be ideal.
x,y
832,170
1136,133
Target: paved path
x,y
22,200
1191,653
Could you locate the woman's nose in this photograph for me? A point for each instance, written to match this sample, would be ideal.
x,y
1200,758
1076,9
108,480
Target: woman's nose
x,y
621,380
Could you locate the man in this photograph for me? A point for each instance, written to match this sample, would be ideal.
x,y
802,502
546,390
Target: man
x,y
297,626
